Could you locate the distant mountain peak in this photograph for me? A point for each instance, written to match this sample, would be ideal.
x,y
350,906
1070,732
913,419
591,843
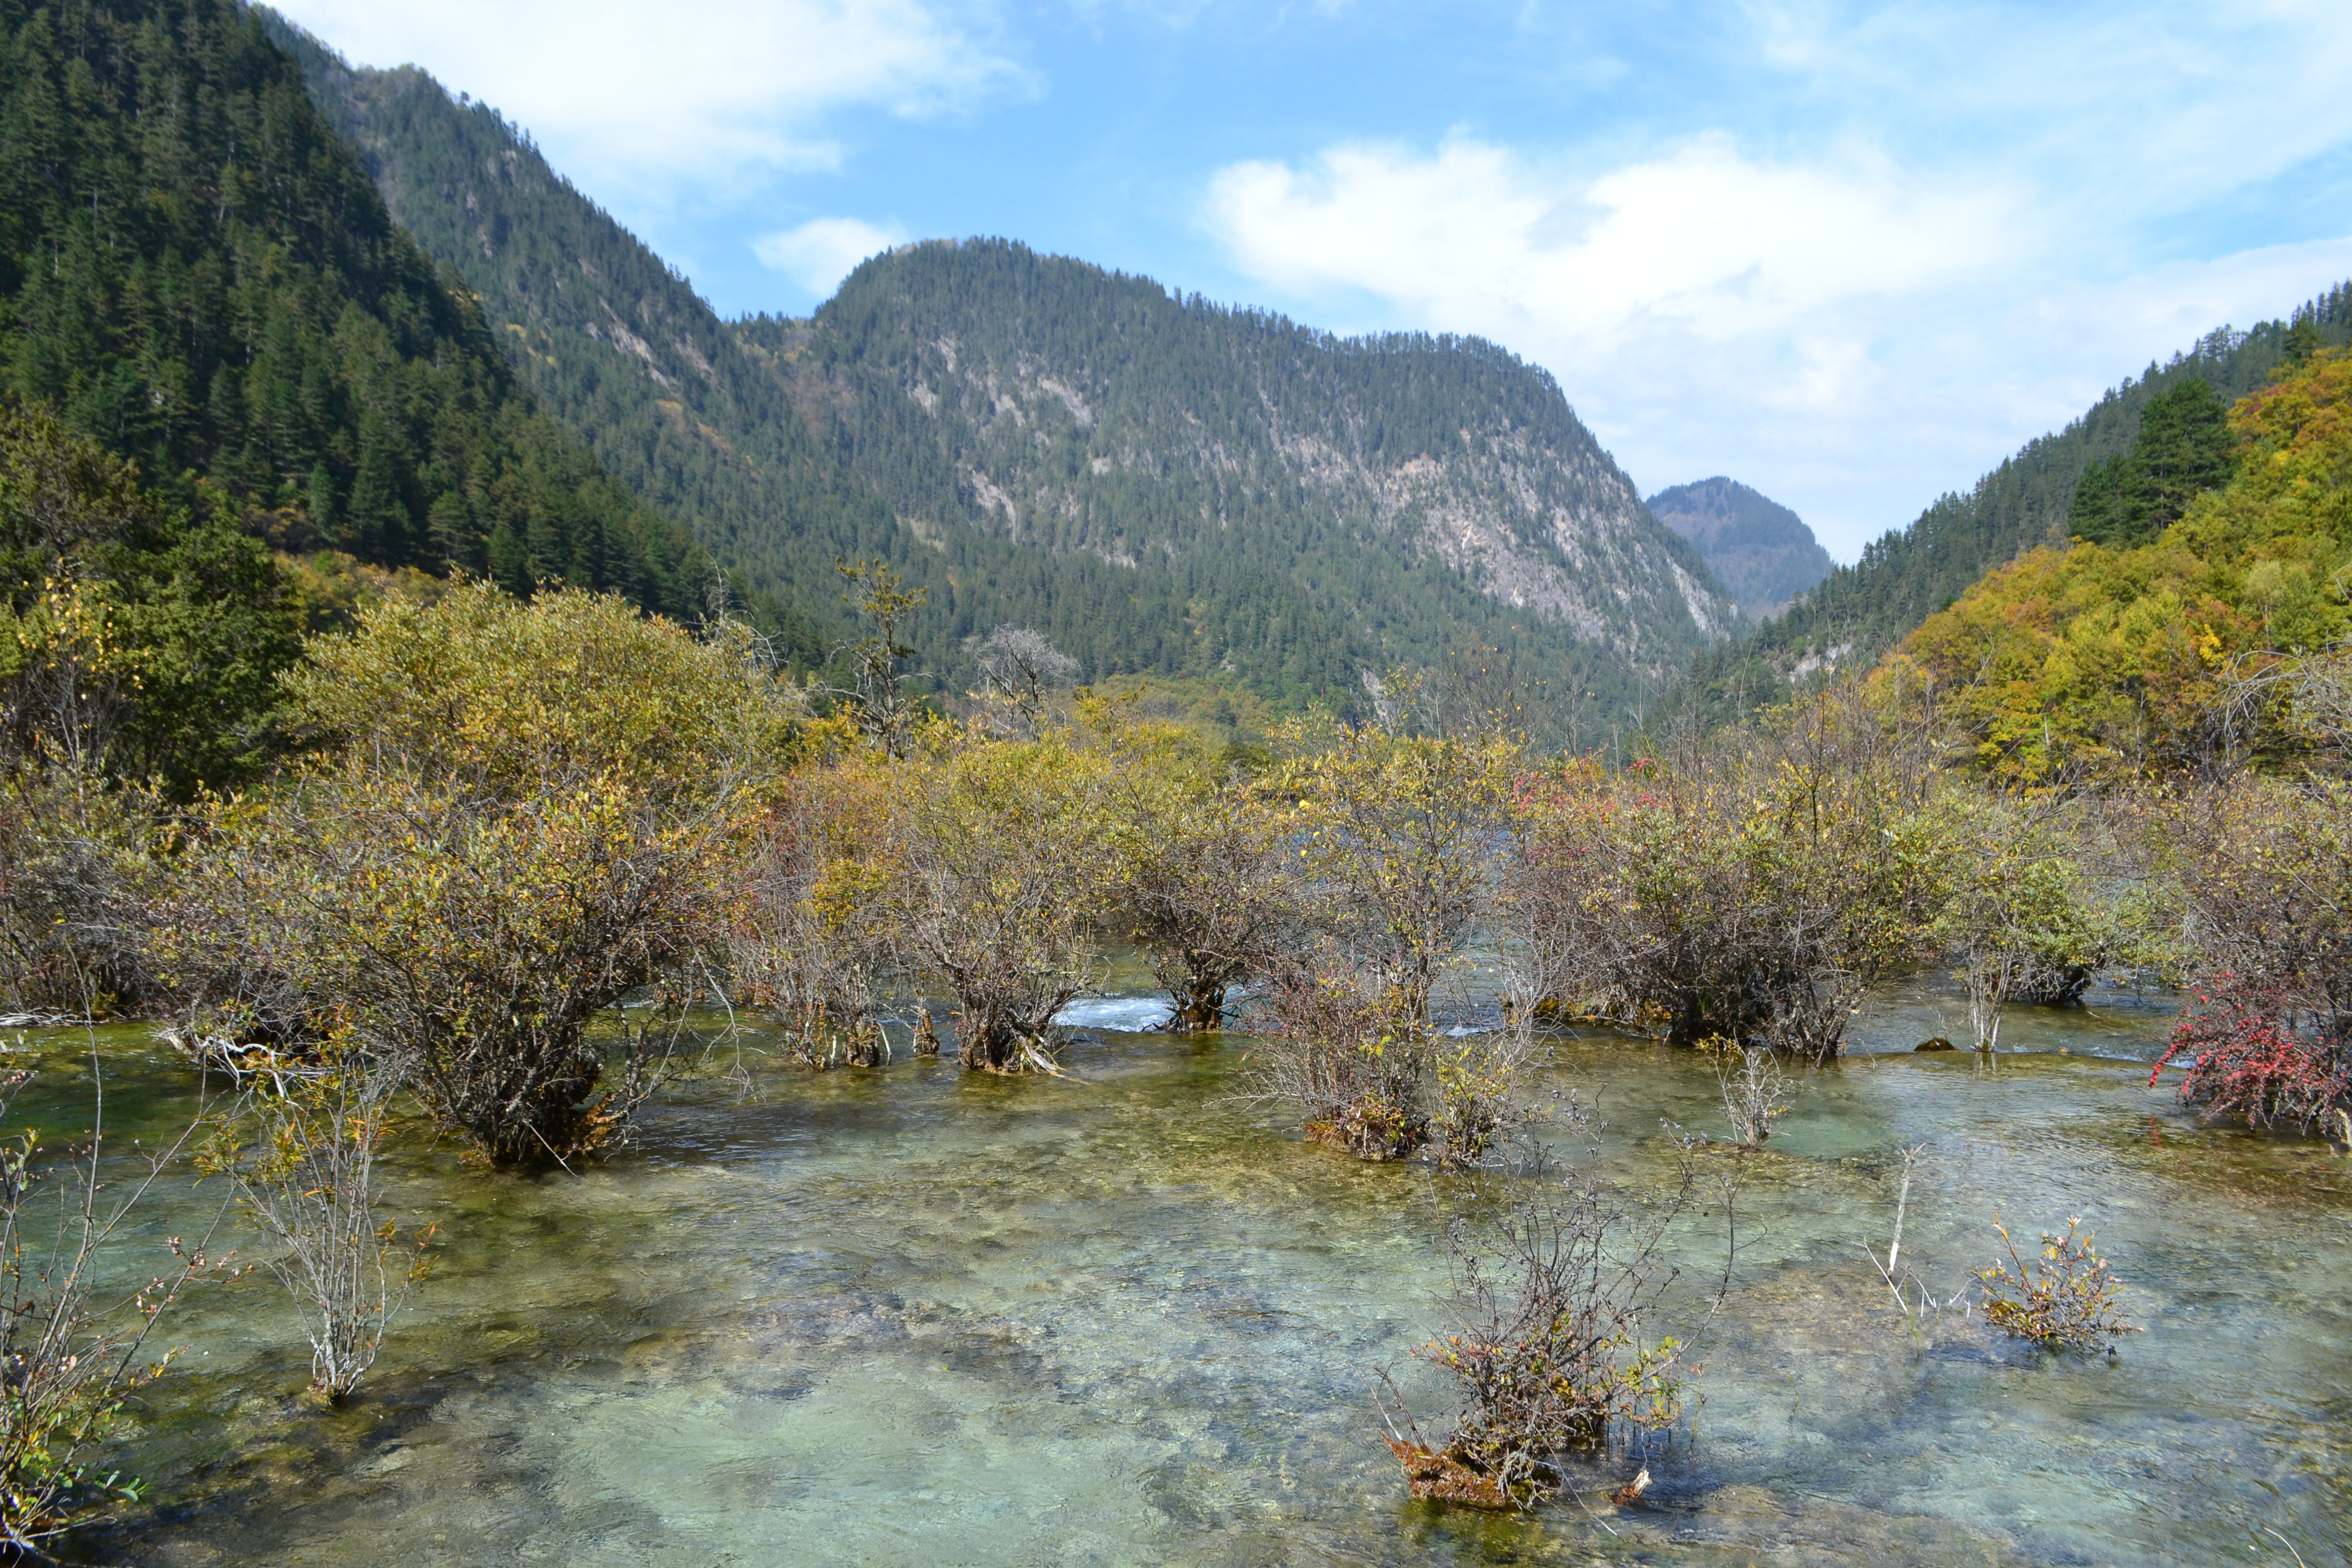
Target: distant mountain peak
x,y
1762,552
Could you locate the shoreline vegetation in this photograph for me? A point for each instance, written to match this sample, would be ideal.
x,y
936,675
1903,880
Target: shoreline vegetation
x,y
464,868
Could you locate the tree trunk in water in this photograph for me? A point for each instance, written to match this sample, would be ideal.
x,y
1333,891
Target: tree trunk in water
x,y
1200,1009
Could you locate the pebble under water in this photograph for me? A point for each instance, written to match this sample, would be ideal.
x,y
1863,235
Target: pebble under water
x,y
916,1316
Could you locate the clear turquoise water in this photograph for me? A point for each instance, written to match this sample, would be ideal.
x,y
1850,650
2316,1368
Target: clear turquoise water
x,y
912,1316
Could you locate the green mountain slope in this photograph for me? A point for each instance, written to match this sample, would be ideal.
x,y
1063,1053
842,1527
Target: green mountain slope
x,y
1763,552
1256,501
195,271
1247,494
1859,612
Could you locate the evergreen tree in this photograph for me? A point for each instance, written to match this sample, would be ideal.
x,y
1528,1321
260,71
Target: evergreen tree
x,y
2184,447
197,273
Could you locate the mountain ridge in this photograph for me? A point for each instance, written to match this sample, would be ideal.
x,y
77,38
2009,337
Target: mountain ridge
x,y
1762,551
195,272
687,409
1860,610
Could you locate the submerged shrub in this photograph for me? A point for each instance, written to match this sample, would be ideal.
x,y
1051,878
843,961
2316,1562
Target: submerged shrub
x,y
2023,922
72,1348
1003,877
306,1180
1206,869
1549,1346
526,817
1404,837
1755,1091
1362,1072
1349,1059
2263,874
813,944
2063,1298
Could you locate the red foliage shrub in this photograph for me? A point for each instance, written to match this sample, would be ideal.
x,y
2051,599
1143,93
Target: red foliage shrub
x,y
2251,1052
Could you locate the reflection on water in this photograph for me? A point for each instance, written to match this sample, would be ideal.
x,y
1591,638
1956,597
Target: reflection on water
x,y
915,1316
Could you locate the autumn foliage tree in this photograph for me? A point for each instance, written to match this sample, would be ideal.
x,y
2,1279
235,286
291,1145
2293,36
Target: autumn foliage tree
x,y
1003,877
1206,875
1747,887
523,814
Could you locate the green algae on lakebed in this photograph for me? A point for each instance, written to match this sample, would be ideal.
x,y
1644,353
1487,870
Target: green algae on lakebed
x,y
919,1316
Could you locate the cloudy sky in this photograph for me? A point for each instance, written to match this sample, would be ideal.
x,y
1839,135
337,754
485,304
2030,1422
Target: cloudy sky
x,y
1851,254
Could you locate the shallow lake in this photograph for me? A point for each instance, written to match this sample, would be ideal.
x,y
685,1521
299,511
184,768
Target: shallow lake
x,y
916,1316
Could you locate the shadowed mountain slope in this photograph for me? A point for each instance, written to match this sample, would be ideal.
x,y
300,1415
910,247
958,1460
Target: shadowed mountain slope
x,y
196,272
1760,551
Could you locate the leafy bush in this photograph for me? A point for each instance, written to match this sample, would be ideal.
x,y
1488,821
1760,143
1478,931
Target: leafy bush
x,y
1004,853
2261,874
1748,887
2022,920
79,862
815,943
528,816
506,697
2063,1297
1206,872
1403,836
2254,1054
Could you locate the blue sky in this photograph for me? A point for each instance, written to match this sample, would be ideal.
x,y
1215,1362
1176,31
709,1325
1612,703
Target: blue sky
x,y
1852,255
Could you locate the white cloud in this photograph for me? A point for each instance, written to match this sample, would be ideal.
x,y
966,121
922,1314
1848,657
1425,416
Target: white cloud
x,y
1703,236
822,251
688,92
1849,335
1684,266
1886,246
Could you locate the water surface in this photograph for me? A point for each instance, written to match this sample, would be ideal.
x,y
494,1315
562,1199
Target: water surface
x,y
916,1316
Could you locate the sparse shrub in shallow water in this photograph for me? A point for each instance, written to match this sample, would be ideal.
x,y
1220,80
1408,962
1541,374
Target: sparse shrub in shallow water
x,y
1342,1057
69,1357
1755,1091
2063,1297
306,1180
1364,1073
1551,1346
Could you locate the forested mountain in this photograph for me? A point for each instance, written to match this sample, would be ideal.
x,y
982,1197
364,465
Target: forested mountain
x,y
1247,493
1859,612
1759,550
2116,655
196,272
1160,485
